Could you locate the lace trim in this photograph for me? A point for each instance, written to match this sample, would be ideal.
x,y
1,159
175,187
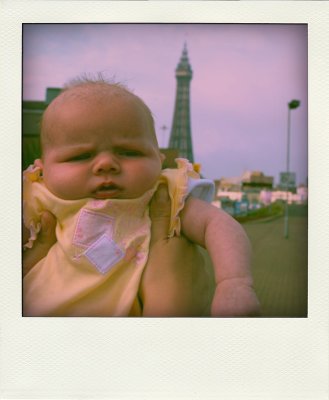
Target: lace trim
x,y
31,174
179,191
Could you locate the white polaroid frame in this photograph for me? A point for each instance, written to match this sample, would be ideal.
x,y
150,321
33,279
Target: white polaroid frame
x,y
163,358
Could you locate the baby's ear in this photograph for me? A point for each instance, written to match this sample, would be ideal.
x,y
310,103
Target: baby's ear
x,y
38,163
162,157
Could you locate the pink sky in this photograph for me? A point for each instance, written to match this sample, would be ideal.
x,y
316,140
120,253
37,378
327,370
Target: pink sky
x,y
243,77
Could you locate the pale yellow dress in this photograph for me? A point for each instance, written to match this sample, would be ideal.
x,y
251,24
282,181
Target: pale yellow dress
x,y
95,267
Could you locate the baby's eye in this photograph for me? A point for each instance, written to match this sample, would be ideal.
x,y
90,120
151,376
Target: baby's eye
x,y
81,157
129,153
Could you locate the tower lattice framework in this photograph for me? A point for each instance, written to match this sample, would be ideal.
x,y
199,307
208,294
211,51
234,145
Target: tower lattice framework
x,y
180,136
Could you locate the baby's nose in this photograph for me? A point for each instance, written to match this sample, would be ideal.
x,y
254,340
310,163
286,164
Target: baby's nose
x,y
106,163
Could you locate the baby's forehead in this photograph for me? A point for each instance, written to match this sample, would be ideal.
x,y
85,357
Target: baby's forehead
x,y
99,94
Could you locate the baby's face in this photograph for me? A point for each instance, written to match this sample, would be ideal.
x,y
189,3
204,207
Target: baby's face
x,y
100,150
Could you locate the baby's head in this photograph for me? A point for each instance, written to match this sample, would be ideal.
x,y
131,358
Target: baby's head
x,y
98,140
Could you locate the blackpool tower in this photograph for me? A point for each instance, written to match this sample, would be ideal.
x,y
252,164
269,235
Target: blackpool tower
x,y
180,136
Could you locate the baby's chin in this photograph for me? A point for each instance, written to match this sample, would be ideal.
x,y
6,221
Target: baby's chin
x,y
130,195
107,193
114,195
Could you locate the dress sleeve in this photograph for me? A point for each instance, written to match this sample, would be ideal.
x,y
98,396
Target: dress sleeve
x,y
203,189
183,182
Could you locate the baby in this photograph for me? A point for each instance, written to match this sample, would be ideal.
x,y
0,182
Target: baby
x,y
99,169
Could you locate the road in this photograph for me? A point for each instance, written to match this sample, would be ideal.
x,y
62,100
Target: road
x,y
280,265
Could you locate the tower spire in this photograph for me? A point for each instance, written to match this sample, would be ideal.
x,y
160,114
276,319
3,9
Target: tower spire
x,y
180,136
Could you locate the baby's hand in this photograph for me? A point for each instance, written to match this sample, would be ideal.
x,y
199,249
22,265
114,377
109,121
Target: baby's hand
x,y
235,298
46,238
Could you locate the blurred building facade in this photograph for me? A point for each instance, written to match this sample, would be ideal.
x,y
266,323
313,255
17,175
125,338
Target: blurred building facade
x,y
254,190
31,120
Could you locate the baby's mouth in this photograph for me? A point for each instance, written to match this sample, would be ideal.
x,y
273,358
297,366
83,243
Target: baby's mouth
x,y
107,190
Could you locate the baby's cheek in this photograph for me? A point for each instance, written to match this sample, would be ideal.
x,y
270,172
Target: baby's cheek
x,y
150,177
64,185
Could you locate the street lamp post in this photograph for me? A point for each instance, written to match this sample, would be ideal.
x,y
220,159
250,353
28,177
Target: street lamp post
x,y
291,106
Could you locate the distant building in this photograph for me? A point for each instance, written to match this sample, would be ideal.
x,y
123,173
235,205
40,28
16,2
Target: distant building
x,y
287,181
251,183
302,192
265,197
229,184
300,196
256,180
171,155
234,203
31,118
233,196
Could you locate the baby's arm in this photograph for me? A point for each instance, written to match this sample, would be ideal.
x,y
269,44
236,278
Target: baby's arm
x,y
230,252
